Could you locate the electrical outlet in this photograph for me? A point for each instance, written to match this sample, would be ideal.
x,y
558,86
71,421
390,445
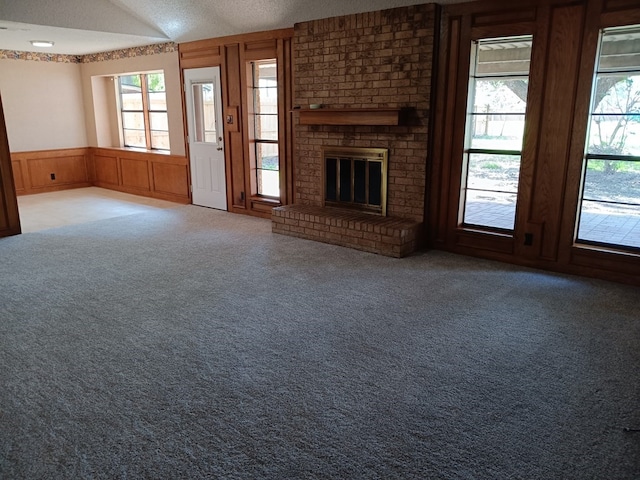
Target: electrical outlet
x,y
53,176
528,239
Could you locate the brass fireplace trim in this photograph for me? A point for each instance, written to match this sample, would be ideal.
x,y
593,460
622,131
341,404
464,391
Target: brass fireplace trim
x,y
380,155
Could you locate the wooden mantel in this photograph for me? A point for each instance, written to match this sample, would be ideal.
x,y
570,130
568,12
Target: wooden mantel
x,y
350,116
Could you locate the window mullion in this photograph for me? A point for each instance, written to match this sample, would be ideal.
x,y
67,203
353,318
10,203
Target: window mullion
x,y
145,110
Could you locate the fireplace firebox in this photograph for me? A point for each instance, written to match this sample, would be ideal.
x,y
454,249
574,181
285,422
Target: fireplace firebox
x,y
356,178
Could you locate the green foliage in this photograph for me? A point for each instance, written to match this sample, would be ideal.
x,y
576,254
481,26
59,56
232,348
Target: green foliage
x,y
491,166
606,166
612,166
133,80
270,163
155,82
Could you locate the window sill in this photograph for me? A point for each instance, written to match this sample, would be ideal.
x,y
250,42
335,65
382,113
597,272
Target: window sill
x,y
604,258
264,205
266,200
484,239
605,249
140,150
136,150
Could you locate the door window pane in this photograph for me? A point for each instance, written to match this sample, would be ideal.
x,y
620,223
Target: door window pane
x,y
599,187
204,111
269,181
494,209
501,95
264,118
267,163
615,134
495,130
494,172
267,156
492,187
267,126
617,225
609,212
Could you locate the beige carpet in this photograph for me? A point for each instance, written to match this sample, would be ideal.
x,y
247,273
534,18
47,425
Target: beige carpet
x,y
191,343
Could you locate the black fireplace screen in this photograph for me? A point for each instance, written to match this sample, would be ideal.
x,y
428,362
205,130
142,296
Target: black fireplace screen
x,y
356,178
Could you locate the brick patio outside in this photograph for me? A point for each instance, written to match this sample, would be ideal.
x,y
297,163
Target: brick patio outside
x,y
619,225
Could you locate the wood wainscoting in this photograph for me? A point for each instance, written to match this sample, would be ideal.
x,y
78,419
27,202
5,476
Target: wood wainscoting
x,y
155,175
50,170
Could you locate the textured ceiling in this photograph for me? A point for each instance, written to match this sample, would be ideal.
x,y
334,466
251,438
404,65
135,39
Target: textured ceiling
x,y
89,26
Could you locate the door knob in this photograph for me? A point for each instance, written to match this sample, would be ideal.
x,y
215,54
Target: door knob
x,y
219,149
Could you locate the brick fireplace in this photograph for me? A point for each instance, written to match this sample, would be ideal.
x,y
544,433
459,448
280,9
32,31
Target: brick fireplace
x,y
371,61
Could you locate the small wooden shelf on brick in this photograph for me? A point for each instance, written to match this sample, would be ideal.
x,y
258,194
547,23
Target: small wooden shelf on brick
x,y
351,116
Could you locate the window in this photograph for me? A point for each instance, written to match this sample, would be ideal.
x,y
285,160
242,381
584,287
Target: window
x,y
495,127
204,109
609,213
264,122
143,106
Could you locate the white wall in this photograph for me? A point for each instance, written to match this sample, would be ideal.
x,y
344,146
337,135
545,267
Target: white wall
x,y
104,101
50,105
102,125
43,105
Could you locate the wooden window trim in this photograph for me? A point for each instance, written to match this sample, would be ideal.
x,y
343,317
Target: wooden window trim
x,y
146,115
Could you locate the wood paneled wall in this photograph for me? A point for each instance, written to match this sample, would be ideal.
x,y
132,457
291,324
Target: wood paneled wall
x,y
231,54
9,217
154,175
50,170
565,36
142,173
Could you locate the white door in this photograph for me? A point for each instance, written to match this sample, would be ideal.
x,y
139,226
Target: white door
x,y
206,148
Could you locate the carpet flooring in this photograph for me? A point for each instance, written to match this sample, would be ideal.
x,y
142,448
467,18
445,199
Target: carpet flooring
x,y
193,343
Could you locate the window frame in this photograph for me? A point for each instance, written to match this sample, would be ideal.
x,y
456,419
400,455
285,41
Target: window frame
x,y
146,112
469,127
598,73
254,117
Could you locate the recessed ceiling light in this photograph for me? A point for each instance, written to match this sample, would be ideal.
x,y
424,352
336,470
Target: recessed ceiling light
x,y
41,43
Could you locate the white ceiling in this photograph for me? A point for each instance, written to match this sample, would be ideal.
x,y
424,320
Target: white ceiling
x,y
80,27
